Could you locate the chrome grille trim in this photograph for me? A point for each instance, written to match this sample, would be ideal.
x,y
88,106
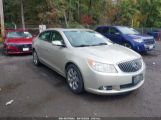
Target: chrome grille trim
x,y
130,66
149,41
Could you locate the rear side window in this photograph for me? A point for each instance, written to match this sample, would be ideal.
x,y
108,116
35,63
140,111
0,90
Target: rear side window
x,y
45,36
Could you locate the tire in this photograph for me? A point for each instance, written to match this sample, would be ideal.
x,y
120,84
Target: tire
x,y
74,79
127,45
5,52
35,58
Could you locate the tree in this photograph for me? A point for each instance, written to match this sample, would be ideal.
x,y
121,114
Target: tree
x,y
22,15
69,13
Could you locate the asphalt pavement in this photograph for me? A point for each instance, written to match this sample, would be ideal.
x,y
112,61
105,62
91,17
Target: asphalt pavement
x,y
30,91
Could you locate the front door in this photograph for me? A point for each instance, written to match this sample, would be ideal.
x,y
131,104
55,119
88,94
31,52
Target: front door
x,y
56,54
43,41
115,35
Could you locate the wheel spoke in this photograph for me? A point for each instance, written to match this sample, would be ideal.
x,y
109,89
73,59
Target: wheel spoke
x,y
35,58
73,79
76,84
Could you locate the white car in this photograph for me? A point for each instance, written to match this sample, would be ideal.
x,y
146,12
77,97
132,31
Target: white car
x,y
89,61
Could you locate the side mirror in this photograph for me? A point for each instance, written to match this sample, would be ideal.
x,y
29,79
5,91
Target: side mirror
x,y
57,43
34,35
117,33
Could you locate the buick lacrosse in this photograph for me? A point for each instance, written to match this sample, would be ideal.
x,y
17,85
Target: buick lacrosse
x,y
89,61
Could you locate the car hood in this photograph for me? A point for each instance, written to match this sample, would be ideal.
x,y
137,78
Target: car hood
x,y
139,36
19,40
111,54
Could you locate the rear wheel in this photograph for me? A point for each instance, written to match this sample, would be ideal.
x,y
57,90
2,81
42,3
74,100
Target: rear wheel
x,y
74,79
127,45
35,58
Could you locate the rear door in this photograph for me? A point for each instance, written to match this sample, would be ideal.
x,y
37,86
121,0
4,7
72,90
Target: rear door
x,y
42,46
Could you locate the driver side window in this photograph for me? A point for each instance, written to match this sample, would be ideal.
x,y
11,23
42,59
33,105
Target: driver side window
x,y
113,31
56,36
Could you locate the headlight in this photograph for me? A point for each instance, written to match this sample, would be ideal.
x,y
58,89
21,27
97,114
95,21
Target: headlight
x,y
10,44
138,40
102,67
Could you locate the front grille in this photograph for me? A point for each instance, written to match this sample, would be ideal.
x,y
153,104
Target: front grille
x,y
130,66
21,46
149,41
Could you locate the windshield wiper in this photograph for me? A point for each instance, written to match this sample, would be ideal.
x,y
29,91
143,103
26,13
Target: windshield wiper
x,y
82,45
100,44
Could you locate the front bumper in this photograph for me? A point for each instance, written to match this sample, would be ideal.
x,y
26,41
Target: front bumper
x,y
142,47
19,52
118,82
18,48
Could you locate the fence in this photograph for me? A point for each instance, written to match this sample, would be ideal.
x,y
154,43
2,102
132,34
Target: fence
x,y
34,29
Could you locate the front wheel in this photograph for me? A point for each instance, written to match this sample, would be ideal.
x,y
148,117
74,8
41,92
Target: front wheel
x,y
74,79
127,45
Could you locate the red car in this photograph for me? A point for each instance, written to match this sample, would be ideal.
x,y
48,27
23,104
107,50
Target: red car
x,y
17,42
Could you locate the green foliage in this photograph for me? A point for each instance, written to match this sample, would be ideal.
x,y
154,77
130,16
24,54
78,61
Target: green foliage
x,y
68,13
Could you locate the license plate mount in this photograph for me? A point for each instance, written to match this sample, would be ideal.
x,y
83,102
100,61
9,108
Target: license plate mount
x,y
151,46
25,49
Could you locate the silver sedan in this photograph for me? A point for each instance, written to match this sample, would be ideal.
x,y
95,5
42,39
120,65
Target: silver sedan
x,y
89,61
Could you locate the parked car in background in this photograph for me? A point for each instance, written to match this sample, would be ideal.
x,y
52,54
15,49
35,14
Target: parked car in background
x,y
17,42
128,37
155,33
89,61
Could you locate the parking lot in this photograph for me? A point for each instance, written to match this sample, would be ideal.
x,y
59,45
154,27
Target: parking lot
x,y
41,92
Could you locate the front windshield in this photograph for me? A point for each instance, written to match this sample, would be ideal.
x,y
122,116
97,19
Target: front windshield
x,y
126,30
19,34
86,38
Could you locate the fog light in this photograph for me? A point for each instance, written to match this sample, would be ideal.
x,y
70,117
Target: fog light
x,y
105,88
138,48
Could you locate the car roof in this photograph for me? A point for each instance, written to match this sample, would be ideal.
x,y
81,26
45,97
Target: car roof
x,y
69,29
105,26
16,30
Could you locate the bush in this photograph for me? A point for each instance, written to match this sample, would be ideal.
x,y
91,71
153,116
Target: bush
x,y
0,38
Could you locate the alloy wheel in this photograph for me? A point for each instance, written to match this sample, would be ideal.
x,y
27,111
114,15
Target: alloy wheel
x,y
74,79
127,45
35,58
